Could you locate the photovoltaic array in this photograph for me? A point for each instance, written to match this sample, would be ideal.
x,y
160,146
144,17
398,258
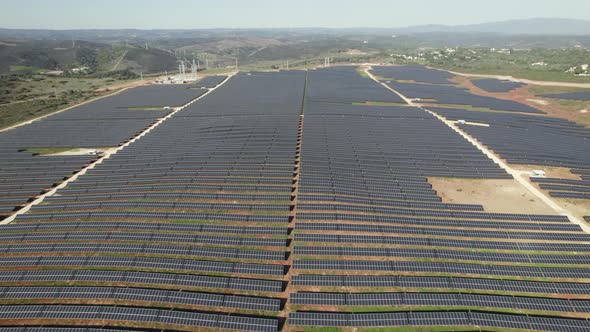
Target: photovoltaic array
x,y
193,216
414,73
494,85
106,122
286,199
580,95
528,140
531,140
368,221
432,86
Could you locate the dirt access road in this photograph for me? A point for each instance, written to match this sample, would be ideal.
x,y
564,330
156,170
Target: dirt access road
x,y
522,80
519,176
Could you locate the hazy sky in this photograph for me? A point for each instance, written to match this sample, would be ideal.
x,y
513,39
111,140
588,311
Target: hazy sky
x,y
187,14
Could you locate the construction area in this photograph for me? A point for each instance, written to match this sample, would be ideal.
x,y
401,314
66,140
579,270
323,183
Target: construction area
x,y
388,198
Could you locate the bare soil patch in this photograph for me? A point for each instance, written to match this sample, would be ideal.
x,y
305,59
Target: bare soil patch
x,y
80,152
502,196
553,107
551,172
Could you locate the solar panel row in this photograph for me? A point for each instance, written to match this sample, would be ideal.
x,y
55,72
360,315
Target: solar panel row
x,y
429,241
280,198
414,73
417,221
169,280
494,85
143,226
210,81
442,268
60,329
163,205
196,216
307,251
141,316
579,236
139,249
522,139
435,318
144,263
186,298
441,300
442,283
580,95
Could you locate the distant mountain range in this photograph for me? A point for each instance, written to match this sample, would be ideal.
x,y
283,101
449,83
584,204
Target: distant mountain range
x,y
535,26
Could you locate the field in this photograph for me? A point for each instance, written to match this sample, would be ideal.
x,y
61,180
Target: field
x,y
328,199
27,96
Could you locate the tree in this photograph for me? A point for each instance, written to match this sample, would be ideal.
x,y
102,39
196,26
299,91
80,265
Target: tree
x,y
87,57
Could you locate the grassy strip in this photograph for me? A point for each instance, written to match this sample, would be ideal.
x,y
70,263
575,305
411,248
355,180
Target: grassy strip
x,y
144,108
442,290
43,151
408,329
378,103
443,260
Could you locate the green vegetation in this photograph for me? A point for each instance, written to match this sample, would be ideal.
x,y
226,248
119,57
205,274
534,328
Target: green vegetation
x,y
362,72
26,96
43,151
378,103
52,150
540,90
405,329
534,64
18,112
145,108
20,68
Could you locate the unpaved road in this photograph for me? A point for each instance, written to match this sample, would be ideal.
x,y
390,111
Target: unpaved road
x,y
119,61
523,80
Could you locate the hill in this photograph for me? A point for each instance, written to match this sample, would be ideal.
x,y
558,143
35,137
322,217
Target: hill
x,y
17,55
535,26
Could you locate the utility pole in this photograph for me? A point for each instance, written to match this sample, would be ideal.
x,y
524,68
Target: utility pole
x,y
194,70
141,75
237,67
287,64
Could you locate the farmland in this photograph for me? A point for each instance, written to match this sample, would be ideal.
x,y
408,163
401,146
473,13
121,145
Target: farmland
x,y
334,198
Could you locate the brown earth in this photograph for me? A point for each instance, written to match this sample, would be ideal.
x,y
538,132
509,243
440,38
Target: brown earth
x,y
502,196
523,95
551,172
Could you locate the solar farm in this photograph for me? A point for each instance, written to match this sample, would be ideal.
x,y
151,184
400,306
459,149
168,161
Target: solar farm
x,y
294,200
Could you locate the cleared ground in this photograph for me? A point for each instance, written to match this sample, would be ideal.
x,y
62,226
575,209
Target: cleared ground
x,y
502,196
572,110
